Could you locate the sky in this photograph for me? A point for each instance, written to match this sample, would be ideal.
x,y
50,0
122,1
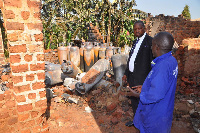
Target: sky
x,y
169,7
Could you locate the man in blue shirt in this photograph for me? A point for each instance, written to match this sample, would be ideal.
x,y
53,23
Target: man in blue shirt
x,y
155,110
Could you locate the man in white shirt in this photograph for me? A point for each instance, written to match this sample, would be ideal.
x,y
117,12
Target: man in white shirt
x,y
139,62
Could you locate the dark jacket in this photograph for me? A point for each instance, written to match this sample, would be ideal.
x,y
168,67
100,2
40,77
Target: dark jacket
x,y
142,64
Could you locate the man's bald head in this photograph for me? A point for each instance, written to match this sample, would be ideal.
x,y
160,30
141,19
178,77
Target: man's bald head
x,y
164,41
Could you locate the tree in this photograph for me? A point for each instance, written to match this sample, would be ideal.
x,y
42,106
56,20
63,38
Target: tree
x,y
186,12
64,19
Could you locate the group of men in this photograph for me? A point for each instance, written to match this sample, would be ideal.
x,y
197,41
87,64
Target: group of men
x,y
151,77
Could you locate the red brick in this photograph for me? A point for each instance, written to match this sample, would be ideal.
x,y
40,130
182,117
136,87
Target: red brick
x,y
32,95
7,96
41,76
30,77
19,68
10,85
38,66
36,15
25,14
23,117
9,14
28,58
22,88
25,107
111,107
26,124
21,98
34,114
5,77
35,48
1,97
33,26
4,114
36,129
18,48
41,103
12,121
38,37
38,85
1,3
15,58
14,111
17,79
40,57
42,94
10,104
34,4
15,3
1,105
14,26
26,131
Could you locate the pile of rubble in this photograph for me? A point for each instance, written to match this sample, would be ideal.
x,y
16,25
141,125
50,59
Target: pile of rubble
x,y
4,74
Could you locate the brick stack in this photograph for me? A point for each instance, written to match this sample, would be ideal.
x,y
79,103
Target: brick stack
x,y
179,27
188,57
23,106
51,56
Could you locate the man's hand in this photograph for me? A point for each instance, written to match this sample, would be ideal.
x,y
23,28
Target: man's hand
x,y
135,92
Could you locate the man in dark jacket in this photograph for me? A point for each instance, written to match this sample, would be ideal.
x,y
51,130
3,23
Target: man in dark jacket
x,y
139,62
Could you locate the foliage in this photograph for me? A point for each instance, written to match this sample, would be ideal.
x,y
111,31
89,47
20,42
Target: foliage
x,y
186,12
64,19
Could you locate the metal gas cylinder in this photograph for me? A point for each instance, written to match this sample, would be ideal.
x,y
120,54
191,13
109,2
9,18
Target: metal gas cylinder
x,y
62,53
88,57
102,51
96,51
75,55
119,62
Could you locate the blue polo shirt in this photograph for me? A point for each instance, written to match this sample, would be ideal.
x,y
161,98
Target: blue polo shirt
x,y
155,110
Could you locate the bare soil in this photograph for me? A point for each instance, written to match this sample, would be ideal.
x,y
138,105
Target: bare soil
x,y
110,112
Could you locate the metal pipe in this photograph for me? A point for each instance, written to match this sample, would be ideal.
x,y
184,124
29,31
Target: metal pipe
x,y
119,62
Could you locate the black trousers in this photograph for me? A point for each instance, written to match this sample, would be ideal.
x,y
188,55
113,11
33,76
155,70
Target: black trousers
x,y
134,100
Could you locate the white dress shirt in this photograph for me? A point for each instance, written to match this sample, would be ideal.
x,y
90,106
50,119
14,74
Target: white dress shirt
x,y
135,52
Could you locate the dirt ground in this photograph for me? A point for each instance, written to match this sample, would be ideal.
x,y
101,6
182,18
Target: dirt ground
x,y
110,112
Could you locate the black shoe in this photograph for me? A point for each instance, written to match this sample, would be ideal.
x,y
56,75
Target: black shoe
x,y
129,124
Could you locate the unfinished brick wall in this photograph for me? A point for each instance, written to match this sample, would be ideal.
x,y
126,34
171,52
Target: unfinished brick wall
x,y
23,106
179,27
188,57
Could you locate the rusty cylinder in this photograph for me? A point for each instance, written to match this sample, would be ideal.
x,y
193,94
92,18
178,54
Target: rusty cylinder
x,y
102,52
75,55
96,53
62,54
109,52
81,58
88,57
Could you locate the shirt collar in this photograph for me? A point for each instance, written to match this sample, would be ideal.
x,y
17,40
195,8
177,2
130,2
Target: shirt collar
x,y
158,59
142,36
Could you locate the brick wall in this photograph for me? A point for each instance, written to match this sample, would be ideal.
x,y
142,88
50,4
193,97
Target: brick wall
x,y
23,106
179,27
188,57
